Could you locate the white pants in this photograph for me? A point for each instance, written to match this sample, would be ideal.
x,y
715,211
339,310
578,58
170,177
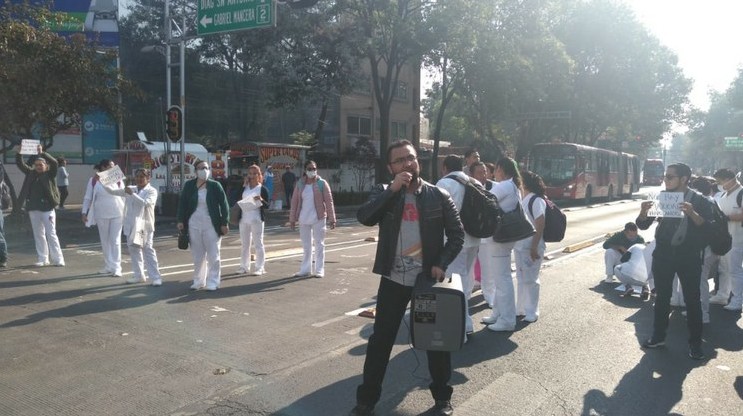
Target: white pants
x,y
205,246
252,232
144,257
628,280
612,258
463,265
109,230
309,233
487,277
734,283
527,278
499,259
45,236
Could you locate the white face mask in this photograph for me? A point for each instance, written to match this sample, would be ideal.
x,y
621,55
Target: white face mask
x,y
311,174
203,174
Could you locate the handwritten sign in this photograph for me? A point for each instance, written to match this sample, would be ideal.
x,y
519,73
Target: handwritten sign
x,y
109,176
30,147
666,204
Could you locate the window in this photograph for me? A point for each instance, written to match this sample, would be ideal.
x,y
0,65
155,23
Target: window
x,y
399,130
360,126
401,92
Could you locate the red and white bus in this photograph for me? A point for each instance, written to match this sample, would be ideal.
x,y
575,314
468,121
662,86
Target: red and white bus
x,y
577,172
652,172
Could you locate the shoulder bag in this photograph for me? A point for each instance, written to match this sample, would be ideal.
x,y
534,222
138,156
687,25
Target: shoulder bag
x,y
513,226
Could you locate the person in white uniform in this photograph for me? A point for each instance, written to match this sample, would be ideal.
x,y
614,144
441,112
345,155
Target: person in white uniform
x,y
507,190
480,171
253,203
204,212
465,260
312,207
106,211
529,252
731,284
139,227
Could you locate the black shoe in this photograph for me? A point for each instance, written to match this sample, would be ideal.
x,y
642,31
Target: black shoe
x,y
362,410
645,295
443,407
653,343
628,291
696,353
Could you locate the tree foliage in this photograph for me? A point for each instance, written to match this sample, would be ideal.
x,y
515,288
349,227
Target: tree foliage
x,y
48,81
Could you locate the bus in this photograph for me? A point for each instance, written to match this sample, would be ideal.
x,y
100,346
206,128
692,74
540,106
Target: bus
x,y
577,172
652,172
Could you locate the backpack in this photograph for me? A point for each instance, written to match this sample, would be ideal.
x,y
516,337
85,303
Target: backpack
x,y
555,221
480,210
718,237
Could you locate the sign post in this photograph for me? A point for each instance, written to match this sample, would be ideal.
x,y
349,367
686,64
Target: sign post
x,y
734,143
217,16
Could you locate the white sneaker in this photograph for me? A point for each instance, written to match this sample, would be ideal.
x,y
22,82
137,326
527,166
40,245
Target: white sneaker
x,y
41,263
719,300
116,274
319,275
609,279
157,282
241,271
211,288
133,280
489,319
260,272
501,327
530,319
196,286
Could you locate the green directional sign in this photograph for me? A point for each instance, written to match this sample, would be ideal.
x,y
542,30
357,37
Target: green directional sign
x,y
217,16
734,143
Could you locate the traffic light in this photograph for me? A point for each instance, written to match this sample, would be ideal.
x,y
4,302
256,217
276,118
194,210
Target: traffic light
x,y
174,123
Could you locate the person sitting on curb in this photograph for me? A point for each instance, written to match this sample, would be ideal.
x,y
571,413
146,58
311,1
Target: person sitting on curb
x,y
617,245
634,271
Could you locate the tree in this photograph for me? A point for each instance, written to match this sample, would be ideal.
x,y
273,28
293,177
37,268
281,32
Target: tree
x,y
362,155
48,81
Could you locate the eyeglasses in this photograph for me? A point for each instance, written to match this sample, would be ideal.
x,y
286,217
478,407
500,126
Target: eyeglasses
x,y
401,160
669,177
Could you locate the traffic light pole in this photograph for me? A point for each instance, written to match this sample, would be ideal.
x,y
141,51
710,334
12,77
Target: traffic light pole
x,y
183,103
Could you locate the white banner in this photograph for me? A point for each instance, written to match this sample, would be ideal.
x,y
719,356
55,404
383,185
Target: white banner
x,y
666,204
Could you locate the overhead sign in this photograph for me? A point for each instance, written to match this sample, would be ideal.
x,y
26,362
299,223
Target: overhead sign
x,y
734,143
217,16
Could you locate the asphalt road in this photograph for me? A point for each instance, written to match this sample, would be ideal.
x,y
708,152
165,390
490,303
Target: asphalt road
x,y
76,343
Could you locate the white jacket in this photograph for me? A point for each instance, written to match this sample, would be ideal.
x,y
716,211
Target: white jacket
x,y
139,212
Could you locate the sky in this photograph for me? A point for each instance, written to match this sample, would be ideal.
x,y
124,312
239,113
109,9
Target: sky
x,y
706,36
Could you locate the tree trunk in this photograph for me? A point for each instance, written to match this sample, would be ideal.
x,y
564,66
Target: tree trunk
x,y
321,121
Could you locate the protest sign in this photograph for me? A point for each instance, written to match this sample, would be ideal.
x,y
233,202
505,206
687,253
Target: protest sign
x,y
109,176
30,147
666,204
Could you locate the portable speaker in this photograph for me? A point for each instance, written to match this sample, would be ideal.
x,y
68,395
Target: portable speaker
x,y
437,313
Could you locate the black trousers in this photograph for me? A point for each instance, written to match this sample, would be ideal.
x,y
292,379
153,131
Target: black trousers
x,y
392,299
688,266
63,193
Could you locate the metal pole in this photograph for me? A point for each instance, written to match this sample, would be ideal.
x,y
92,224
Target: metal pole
x,y
169,91
183,101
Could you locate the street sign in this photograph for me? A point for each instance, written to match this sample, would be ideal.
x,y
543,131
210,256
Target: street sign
x,y
734,143
217,16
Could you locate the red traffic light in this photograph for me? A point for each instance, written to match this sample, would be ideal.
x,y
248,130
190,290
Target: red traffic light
x,y
174,123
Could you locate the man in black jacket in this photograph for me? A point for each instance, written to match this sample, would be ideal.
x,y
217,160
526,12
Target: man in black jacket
x,y
414,216
679,249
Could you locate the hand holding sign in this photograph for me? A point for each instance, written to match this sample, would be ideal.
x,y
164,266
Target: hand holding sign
x,y
110,176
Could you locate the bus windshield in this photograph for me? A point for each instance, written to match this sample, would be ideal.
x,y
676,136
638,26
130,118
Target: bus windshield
x,y
555,169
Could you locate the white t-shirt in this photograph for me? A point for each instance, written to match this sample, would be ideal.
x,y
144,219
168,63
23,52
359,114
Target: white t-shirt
x,y
251,208
729,205
308,214
538,208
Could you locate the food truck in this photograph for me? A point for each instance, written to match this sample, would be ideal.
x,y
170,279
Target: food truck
x,y
278,155
164,160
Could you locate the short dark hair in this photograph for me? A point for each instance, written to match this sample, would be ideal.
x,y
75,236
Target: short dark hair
x,y
724,173
397,144
682,169
470,152
453,163
702,184
144,171
630,226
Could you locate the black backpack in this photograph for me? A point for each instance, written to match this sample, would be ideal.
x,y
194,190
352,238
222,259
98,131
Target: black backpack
x,y
718,237
480,210
555,221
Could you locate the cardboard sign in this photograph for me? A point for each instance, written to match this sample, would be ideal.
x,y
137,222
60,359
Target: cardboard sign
x,y
30,147
110,176
666,204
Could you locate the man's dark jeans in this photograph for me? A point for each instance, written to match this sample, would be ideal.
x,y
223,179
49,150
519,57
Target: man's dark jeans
x,y
392,299
688,266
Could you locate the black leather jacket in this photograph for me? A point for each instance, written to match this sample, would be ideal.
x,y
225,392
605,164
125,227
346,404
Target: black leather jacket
x,y
437,217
